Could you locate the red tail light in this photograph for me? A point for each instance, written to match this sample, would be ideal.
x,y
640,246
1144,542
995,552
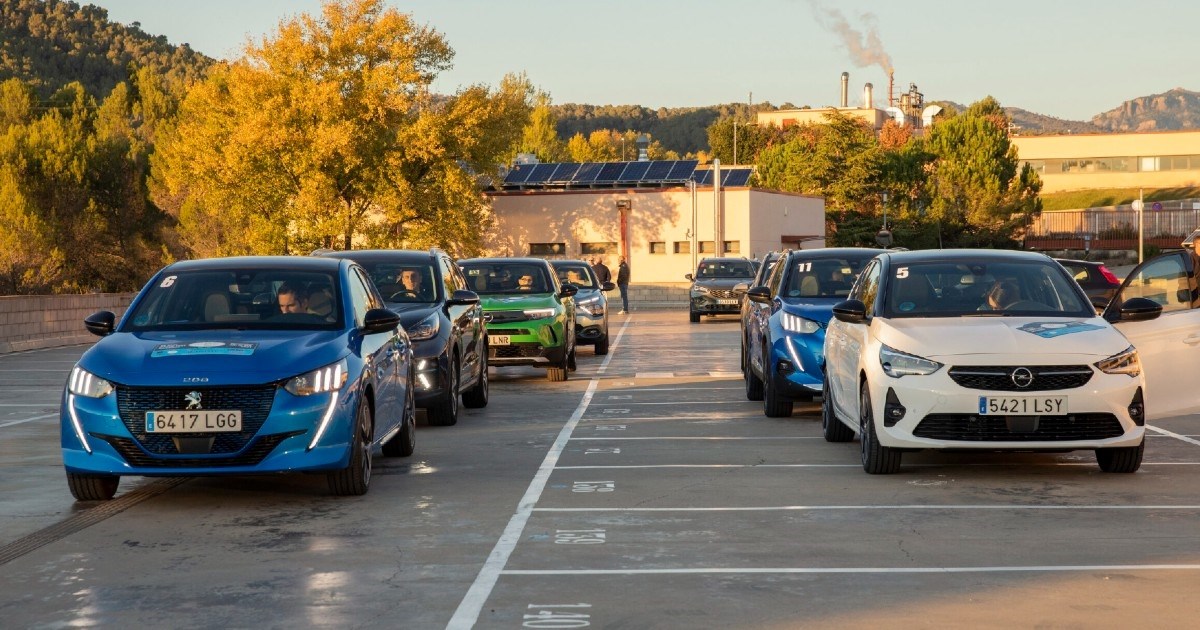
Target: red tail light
x,y
1108,275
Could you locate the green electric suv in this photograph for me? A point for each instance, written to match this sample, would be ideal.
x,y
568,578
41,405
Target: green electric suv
x,y
529,314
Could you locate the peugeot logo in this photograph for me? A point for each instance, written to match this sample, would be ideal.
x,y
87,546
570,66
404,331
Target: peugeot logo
x,y
1022,377
193,400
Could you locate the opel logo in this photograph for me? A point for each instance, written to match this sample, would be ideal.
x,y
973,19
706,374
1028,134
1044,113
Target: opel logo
x,y
193,400
1022,377
487,317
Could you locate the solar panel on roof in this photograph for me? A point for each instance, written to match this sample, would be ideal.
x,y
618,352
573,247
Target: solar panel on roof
x,y
587,173
736,177
518,174
541,173
635,172
682,170
610,172
565,172
658,171
703,178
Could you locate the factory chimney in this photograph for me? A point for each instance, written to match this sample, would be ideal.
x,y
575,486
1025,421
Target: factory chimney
x,y
868,98
891,86
845,90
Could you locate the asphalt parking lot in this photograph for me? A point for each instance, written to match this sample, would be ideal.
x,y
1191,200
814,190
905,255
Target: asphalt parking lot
x,y
645,492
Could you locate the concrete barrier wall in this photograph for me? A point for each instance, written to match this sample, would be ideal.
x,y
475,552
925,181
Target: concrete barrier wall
x,y
31,322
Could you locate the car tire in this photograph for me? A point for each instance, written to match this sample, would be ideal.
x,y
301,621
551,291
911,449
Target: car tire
x,y
1126,459
833,429
694,316
444,413
355,478
477,396
92,487
405,442
571,361
876,459
558,373
754,385
774,405
602,345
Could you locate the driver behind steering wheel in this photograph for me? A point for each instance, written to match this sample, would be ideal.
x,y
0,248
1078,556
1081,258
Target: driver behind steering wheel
x,y
411,282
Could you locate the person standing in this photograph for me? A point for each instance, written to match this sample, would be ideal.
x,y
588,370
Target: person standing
x,y
602,272
623,285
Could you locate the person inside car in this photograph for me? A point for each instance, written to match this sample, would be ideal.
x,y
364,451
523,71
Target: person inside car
x,y
411,283
1004,293
525,283
292,298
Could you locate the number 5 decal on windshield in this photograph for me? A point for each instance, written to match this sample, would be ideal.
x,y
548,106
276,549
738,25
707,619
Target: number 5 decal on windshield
x,y
902,272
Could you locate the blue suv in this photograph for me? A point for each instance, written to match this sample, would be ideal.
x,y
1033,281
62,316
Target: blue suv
x,y
785,357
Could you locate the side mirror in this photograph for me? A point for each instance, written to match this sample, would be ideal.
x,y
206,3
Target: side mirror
x,y
568,290
461,297
608,286
759,295
850,311
741,287
1139,310
101,323
380,320
689,277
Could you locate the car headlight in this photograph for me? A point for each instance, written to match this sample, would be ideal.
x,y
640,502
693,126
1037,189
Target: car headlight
x,y
595,299
540,313
896,364
1124,362
426,328
797,324
699,291
84,383
327,379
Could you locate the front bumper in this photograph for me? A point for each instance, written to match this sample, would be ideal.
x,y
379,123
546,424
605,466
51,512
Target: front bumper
x,y
707,304
539,342
431,372
590,328
116,444
797,365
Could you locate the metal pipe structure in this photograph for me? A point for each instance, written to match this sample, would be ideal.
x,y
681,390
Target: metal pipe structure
x,y
845,90
717,208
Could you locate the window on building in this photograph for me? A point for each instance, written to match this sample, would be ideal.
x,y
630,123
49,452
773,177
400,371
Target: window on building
x,y
706,247
683,247
598,248
547,249
658,247
733,247
1147,164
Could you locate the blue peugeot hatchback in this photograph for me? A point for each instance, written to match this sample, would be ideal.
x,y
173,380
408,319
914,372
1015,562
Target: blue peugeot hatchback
x,y
785,358
240,366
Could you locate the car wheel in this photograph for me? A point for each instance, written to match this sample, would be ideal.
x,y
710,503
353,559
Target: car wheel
x,y
571,361
774,405
602,345
355,478
477,396
832,428
1126,459
693,316
92,487
444,413
405,442
754,385
558,373
876,459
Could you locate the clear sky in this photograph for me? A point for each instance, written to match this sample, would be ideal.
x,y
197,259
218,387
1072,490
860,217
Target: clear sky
x,y
1066,58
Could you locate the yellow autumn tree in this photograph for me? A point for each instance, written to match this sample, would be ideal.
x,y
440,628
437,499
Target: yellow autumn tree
x,y
326,134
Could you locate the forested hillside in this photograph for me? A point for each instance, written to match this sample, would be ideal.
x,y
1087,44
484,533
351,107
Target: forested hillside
x,y
1171,110
681,129
50,43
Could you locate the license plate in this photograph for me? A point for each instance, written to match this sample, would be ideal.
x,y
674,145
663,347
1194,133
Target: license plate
x,y
499,340
1022,405
727,301
204,421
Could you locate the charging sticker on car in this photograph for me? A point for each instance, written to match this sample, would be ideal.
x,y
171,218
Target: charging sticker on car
x,y
1057,329
234,348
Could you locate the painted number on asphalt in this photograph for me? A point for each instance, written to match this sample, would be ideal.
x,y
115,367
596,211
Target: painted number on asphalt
x,y
594,486
554,616
579,537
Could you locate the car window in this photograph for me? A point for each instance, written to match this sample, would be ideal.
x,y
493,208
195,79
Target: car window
x,y
764,270
580,275
966,287
238,298
775,278
449,282
867,287
710,269
1164,282
403,282
822,277
360,298
507,277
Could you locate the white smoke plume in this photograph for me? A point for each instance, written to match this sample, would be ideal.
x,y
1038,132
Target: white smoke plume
x,y
865,49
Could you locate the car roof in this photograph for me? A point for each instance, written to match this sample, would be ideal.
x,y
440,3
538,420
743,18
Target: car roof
x,y
1090,263
503,259
377,255
836,251
954,255
571,261
298,263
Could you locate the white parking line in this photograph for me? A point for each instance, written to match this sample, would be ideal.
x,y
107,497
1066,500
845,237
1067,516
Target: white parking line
x,y
790,437
710,466
915,506
677,402
1174,435
16,422
699,388
880,570
472,603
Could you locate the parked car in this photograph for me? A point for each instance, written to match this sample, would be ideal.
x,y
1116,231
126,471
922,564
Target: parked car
x,y
239,366
1169,345
712,291
591,303
760,278
785,357
530,316
1096,280
444,322
915,359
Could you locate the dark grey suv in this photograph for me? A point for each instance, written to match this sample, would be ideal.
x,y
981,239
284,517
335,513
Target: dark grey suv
x,y
712,291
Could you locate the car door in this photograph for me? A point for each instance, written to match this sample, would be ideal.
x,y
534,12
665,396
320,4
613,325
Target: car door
x,y
384,353
1169,345
759,314
464,322
844,343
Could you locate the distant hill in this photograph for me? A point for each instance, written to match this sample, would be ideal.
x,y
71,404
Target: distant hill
x,y
680,129
50,43
1175,109
1030,123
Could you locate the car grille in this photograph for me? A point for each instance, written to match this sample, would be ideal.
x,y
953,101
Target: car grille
x,y
254,403
502,317
976,428
999,378
514,351
722,293
255,453
510,331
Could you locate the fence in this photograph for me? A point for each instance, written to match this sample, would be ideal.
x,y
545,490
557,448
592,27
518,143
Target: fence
x,y
29,322
1106,228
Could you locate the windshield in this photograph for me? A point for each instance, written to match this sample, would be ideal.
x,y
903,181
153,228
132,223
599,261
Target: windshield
x,y
725,269
399,282
267,299
832,277
507,277
977,288
578,274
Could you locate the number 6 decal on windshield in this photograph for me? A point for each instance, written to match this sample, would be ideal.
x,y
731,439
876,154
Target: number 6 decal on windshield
x,y
902,272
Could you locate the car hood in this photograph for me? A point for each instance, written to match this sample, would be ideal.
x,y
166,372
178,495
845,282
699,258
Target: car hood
x,y
410,313
819,310
514,302
721,283
1055,340
222,357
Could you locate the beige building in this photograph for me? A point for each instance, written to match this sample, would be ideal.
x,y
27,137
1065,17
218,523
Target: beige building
x,y
1162,159
662,231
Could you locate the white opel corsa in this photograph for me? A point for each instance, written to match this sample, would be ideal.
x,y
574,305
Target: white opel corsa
x,y
980,350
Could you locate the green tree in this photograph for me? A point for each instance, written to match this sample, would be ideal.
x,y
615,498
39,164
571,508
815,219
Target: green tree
x,y
540,136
